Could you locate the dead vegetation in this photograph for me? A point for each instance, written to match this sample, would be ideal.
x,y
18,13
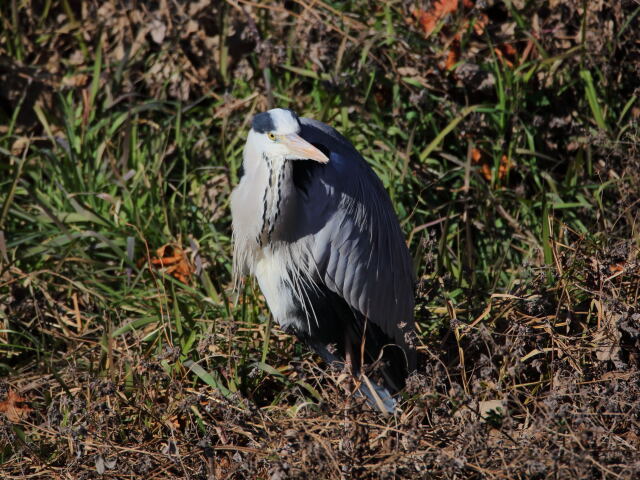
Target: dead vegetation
x,y
121,358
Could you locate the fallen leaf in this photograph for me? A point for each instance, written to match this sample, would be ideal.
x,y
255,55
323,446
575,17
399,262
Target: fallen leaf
x,y
158,31
475,155
509,50
408,71
443,7
504,167
173,260
77,80
452,58
13,407
486,171
503,53
485,167
616,267
480,23
428,20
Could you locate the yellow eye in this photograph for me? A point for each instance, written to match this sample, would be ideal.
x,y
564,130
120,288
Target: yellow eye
x,y
271,136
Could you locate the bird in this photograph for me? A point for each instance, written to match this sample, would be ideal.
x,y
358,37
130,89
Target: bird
x,y
314,225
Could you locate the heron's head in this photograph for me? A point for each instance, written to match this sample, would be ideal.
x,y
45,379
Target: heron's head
x,y
276,135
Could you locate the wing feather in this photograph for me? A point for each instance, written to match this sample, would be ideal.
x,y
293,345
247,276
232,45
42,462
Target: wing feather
x,y
357,244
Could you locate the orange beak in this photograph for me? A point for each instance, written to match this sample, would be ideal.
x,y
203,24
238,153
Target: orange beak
x,y
300,149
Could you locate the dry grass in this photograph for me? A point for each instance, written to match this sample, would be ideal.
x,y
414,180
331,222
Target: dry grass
x,y
507,136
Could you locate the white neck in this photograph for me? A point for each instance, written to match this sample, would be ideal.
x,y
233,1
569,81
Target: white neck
x,y
274,198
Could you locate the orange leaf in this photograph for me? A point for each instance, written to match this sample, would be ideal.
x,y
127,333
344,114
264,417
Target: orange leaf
x,y
510,50
502,57
480,23
429,20
475,155
503,169
452,59
176,262
485,167
426,20
486,171
13,407
442,7
616,267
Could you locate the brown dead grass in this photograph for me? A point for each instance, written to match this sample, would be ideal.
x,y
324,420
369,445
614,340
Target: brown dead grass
x,y
540,388
544,382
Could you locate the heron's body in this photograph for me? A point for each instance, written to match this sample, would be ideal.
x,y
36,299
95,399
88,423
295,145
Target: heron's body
x,y
325,245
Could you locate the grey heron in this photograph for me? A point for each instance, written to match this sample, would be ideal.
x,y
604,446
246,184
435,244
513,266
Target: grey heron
x,y
313,223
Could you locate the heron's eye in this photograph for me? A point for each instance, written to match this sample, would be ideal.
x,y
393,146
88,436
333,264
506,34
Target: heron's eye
x,y
271,136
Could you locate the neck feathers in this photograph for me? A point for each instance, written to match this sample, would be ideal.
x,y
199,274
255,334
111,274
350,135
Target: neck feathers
x,y
272,198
